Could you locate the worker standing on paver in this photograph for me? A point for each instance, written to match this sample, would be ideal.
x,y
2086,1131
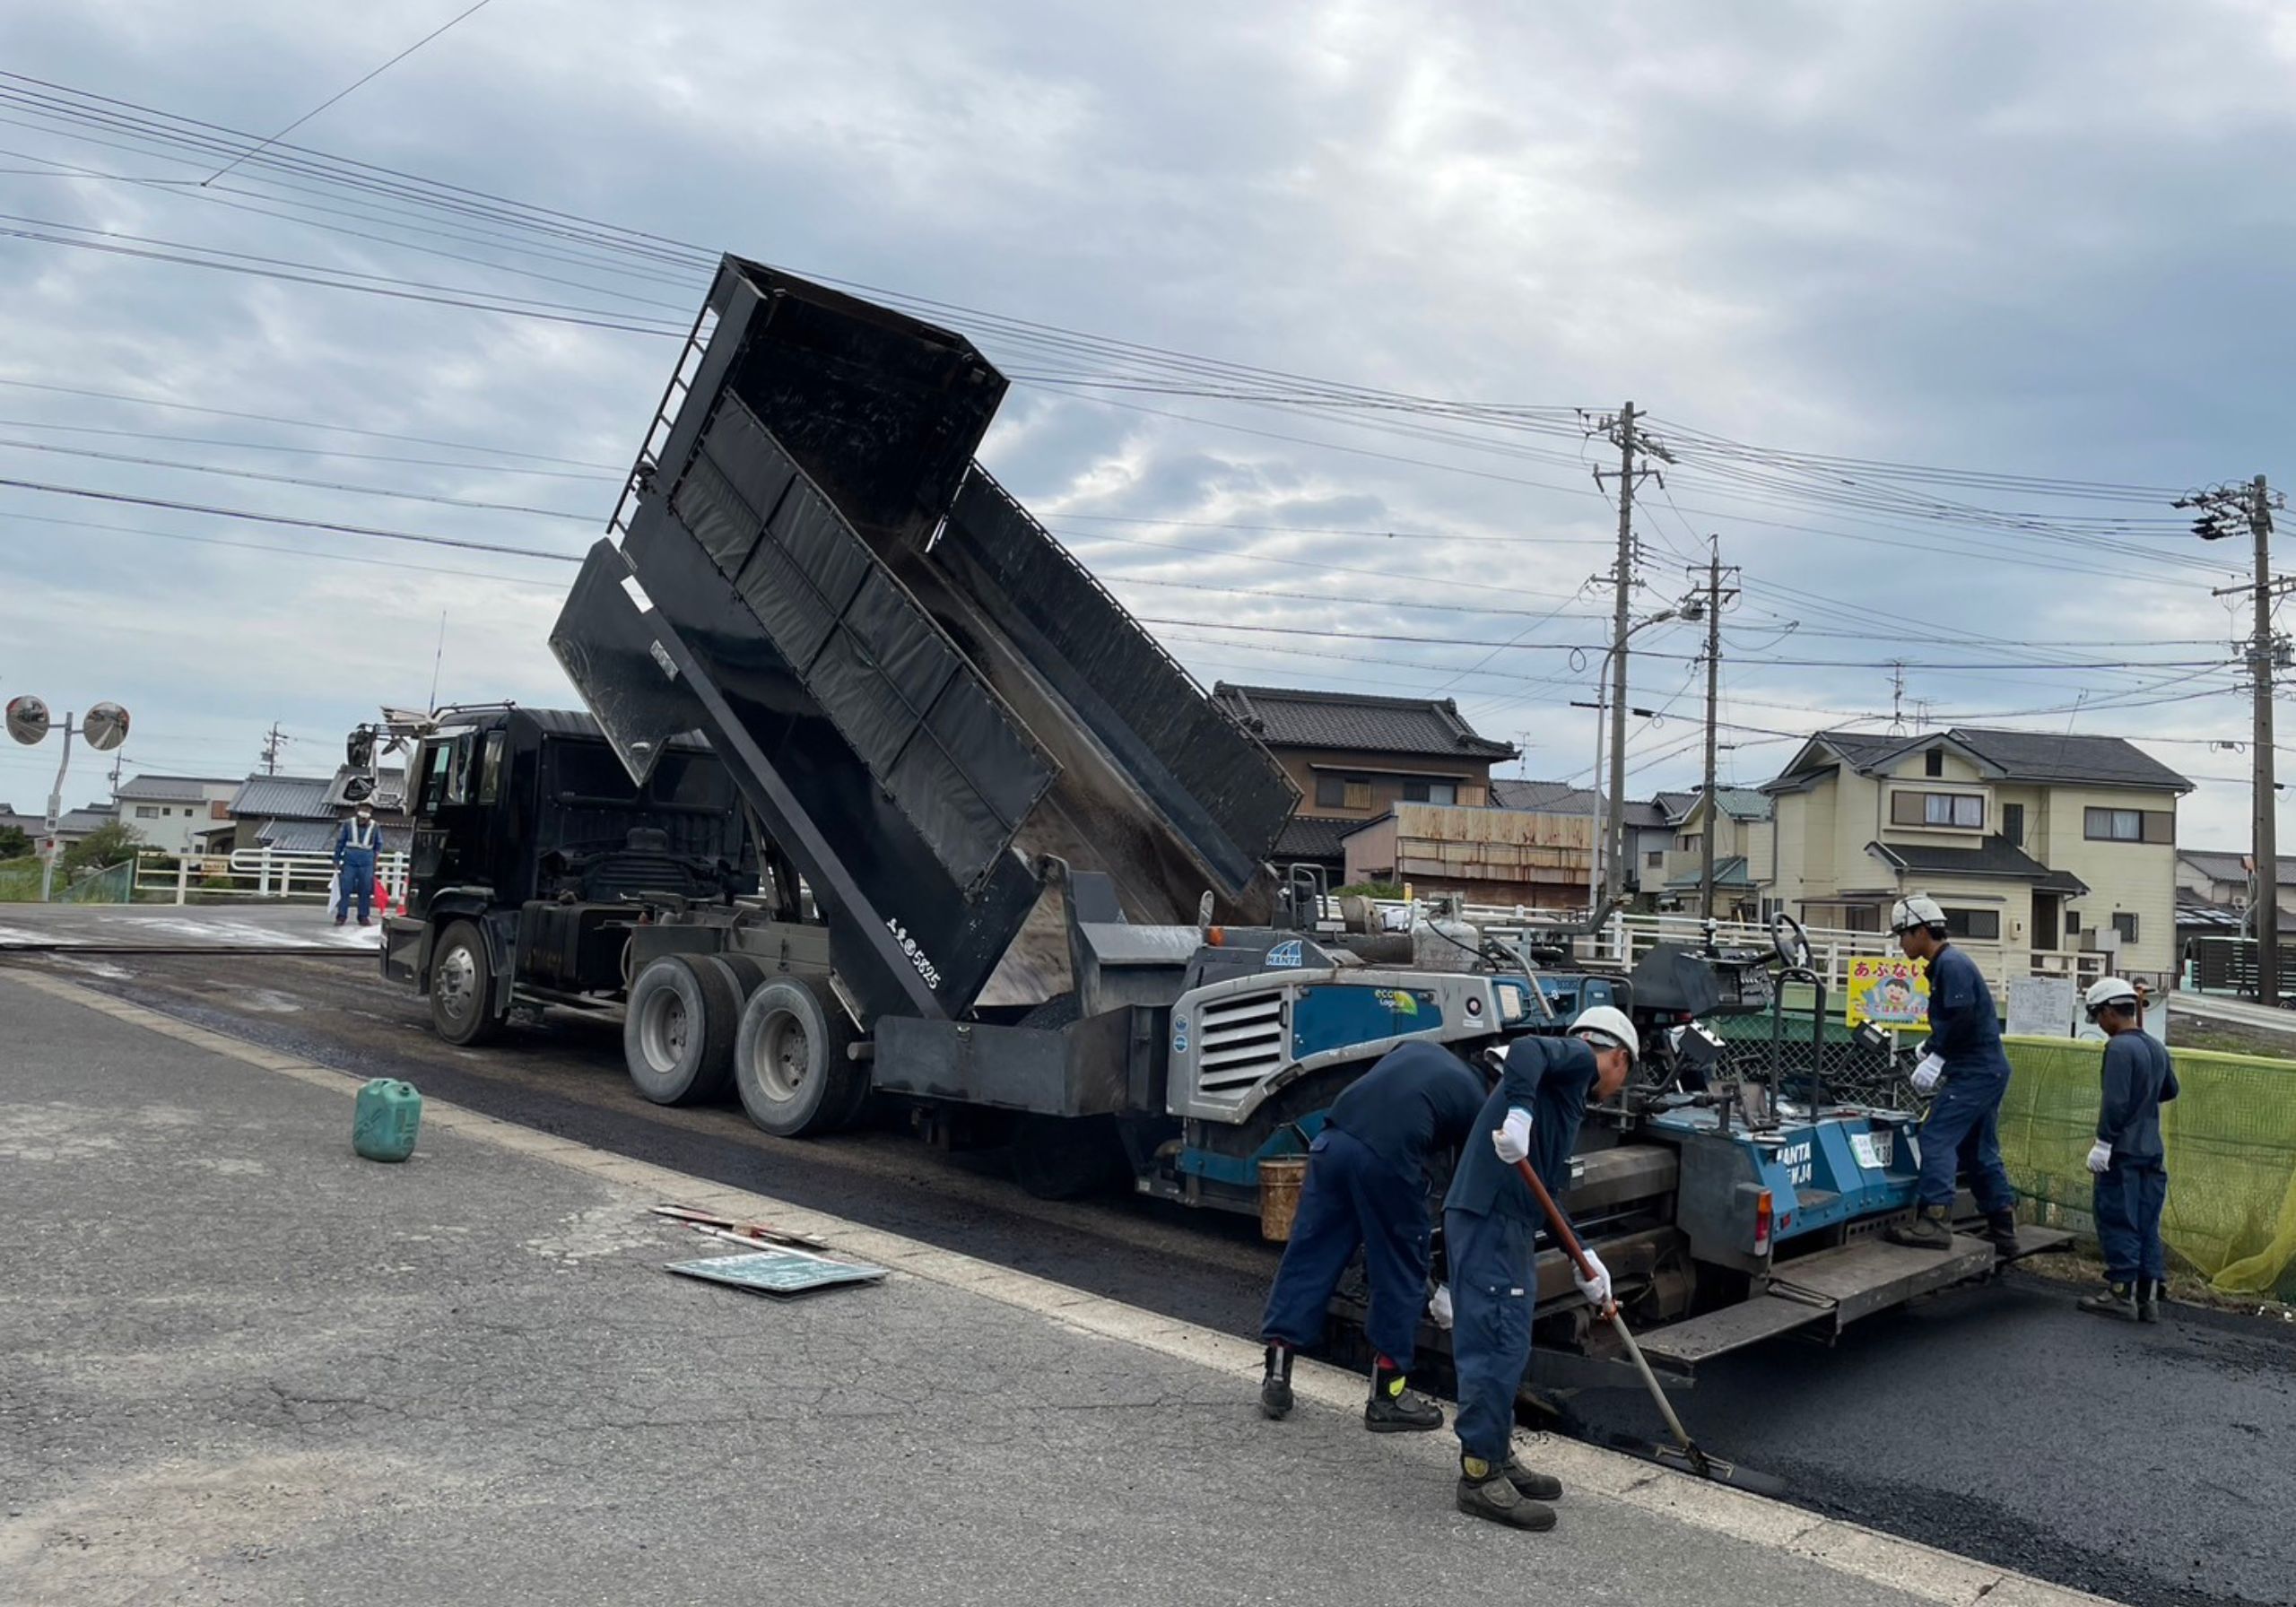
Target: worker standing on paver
x,y
2129,1158
1490,1223
1964,1061
355,846
1367,1184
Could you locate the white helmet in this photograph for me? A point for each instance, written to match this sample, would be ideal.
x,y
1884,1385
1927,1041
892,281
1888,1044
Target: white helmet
x,y
1918,911
1608,1022
2113,991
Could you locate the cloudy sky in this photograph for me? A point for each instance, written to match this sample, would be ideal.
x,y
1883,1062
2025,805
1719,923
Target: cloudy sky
x,y
1299,300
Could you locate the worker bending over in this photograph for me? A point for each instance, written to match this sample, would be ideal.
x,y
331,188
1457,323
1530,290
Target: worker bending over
x,y
1368,1182
1489,1226
2128,1160
1964,1063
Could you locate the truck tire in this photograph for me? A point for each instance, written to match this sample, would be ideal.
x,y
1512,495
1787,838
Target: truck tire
x,y
677,1036
462,987
790,1064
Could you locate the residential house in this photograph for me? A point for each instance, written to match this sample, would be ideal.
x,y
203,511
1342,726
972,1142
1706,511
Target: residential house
x,y
301,815
2213,892
1745,851
2221,878
70,826
2038,842
1355,757
1649,831
169,813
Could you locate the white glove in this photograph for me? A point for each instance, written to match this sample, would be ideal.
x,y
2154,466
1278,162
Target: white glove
x,y
1927,1073
2101,1156
1513,1140
1440,1308
1597,1287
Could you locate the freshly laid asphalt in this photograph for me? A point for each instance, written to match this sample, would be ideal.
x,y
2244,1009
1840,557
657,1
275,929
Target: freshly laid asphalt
x,y
247,1366
1995,1422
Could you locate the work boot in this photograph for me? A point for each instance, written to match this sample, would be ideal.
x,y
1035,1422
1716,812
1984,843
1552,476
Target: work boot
x,y
2001,1227
1929,1230
340,919
2115,1299
1485,1491
1394,1409
1529,1483
2148,1299
1276,1384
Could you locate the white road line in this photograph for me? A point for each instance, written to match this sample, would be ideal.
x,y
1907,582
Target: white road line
x,y
18,937
1850,1549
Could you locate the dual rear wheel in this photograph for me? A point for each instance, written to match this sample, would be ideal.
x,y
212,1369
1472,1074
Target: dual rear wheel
x,y
698,1022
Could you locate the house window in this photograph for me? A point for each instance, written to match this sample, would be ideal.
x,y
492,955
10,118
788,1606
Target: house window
x,y
2129,825
2124,923
1983,925
2072,924
2012,823
1861,917
1655,860
1958,812
1932,763
1429,792
1686,843
147,811
1343,792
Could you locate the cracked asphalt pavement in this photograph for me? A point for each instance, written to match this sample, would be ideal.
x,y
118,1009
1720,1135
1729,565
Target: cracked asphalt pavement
x,y
1996,1422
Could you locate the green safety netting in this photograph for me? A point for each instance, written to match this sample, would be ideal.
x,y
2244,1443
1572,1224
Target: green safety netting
x,y
2232,1140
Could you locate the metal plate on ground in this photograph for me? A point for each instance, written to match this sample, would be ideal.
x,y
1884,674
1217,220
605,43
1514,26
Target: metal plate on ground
x,y
1684,1345
777,1271
1865,1277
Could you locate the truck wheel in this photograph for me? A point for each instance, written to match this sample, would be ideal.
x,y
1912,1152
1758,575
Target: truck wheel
x,y
462,987
790,1064
677,1036
1068,1157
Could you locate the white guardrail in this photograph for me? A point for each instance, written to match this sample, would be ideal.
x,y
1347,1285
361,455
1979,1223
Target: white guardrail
x,y
1624,939
254,873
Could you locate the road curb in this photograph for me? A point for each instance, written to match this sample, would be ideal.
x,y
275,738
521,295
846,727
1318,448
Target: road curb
x,y
1849,1549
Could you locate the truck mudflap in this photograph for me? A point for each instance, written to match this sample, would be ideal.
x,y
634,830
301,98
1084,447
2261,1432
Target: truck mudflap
x,y
1820,1294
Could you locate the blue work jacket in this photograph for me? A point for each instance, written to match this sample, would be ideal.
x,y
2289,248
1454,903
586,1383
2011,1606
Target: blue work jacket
x,y
1964,1026
1550,1077
1413,1107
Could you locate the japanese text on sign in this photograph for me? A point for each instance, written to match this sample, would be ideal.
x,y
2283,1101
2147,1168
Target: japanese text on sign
x,y
1888,991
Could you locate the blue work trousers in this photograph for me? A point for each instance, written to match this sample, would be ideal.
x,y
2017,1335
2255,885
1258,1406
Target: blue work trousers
x,y
355,876
1493,1288
2130,1197
1352,1198
1962,1133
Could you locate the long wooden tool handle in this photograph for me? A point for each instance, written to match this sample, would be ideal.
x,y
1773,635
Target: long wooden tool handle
x,y
1562,1233
1578,1253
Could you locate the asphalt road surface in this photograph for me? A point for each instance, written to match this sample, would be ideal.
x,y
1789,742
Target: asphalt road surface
x,y
2147,1465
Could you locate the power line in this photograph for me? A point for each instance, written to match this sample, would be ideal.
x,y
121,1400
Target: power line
x,y
339,94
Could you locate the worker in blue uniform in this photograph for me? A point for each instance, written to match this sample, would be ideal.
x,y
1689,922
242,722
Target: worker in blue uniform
x,y
1964,1065
1367,1185
1491,1222
2129,1158
355,846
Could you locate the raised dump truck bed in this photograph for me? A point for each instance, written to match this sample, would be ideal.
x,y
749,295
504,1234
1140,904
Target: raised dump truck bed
x,y
918,691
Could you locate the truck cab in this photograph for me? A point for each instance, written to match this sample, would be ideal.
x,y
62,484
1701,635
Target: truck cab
x,y
531,847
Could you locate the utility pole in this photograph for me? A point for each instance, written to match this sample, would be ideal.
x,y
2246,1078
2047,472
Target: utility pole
x,y
1714,599
1625,433
2267,805
2222,511
272,742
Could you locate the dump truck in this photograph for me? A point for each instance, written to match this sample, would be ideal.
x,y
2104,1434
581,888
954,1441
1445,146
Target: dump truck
x,y
905,812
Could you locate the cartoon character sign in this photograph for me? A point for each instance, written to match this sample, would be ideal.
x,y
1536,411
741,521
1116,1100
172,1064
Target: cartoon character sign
x,y
1888,991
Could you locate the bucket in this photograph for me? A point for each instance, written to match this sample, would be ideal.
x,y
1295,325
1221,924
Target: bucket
x,y
385,1119
1280,1179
